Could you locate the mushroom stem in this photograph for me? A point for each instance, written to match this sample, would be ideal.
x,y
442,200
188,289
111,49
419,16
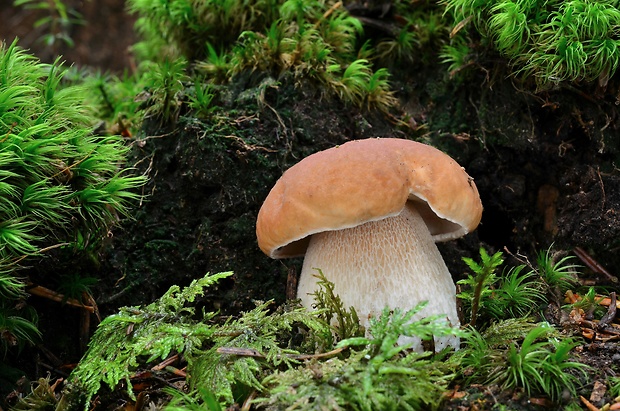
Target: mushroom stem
x,y
391,262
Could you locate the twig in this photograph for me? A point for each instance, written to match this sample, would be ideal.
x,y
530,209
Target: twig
x,y
55,296
593,325
249,147
588,404
600,179
249,352
593,264
168,361
51,247
327,14
519,257
460,25
91,302
67,169
157,136
176,371
277,116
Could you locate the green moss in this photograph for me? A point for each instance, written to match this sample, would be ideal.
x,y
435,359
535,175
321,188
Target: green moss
x,y
266,350
552,42
538,362
217,354
313,41
63,186
413,382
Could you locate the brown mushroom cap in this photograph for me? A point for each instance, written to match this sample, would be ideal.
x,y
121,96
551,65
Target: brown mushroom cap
x,y
362,181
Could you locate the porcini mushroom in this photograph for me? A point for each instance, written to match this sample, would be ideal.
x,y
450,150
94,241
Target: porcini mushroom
x,y
368,214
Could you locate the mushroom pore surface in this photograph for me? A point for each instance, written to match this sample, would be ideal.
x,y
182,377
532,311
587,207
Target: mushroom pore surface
x,y
392,262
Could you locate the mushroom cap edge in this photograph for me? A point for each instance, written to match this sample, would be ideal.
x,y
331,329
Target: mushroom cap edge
x,y
362,181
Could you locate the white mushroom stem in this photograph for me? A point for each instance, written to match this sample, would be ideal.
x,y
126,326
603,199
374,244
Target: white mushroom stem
x,y
392,262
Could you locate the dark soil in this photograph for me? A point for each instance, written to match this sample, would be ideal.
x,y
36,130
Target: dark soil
x,y
209,178
102,39
548,183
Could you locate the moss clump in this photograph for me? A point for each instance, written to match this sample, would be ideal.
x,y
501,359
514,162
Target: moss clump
x,y
266,351
220,356
553,42
309,40
534,359
62,185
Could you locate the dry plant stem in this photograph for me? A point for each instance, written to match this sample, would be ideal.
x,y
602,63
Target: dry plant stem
x,y
43,250
460,25
168,361
593,264
248,352
588,404
92,303
594,325
333,8
176,371
54,296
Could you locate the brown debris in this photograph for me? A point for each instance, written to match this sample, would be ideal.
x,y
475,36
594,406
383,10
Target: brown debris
x,y
541,402
547,205
605,329
598,392
610,315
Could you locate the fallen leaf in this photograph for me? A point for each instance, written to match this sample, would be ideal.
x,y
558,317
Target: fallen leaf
x,y
598,392
542,402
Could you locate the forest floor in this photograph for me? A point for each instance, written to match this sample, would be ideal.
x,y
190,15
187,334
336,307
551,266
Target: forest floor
x,y
545,166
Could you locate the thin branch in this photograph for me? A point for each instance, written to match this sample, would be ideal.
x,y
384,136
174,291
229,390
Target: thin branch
x,y
249,352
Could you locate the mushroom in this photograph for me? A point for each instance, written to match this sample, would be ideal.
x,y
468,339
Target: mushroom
x,y
367,214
